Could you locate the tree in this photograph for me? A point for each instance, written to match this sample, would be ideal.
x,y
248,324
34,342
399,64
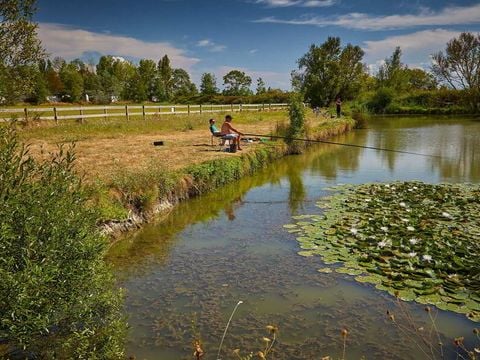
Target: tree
x,y
459,66
58,297
72,82
181,84
419,79
208,85
328,71
147,70
165,79
261,86
20,49
237,83
393,74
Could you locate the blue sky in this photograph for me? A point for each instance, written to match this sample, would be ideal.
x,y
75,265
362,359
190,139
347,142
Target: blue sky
x,y
264,38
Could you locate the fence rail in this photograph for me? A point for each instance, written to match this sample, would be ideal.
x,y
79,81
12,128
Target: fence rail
x,y
127,111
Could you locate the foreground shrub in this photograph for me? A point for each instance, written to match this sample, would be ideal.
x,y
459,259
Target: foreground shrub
x,y
57,296
296,128
382,98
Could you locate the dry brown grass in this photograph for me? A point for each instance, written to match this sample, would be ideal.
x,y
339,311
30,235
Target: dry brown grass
x,y
101,155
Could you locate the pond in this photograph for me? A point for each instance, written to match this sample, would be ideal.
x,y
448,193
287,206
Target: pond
x,y
184,275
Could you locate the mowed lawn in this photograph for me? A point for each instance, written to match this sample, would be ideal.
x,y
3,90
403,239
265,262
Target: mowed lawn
x,y
105,147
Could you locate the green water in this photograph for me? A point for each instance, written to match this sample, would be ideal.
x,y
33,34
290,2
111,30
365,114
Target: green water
x,y
184,275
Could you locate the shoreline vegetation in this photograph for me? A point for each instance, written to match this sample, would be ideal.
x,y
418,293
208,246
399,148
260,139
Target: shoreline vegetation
x,y
130,181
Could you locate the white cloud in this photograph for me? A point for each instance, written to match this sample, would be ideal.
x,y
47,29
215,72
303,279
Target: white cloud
x,y
210,45
416,47
253,51
69,43
447,16
302,3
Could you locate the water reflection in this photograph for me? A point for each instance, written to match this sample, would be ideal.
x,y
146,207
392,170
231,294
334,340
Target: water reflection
x,y
229,245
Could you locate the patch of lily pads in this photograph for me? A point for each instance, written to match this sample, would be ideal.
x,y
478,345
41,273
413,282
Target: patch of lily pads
x,y
419,242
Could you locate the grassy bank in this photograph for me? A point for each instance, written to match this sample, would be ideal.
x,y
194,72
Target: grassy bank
x,y
129,180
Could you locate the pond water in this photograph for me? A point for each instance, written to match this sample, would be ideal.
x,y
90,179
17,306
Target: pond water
x,y
184,275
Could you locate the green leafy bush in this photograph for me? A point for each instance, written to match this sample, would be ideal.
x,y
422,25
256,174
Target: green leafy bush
x,y
58,298
296,128
382,98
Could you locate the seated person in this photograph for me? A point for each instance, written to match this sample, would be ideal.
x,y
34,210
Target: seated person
x,y
229,132
213,129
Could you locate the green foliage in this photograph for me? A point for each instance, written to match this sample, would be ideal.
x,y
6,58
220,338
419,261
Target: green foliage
x,y
296,128
328,71
208,85
417,241
237,83
382,98
260,87
140,190
20,49
58,297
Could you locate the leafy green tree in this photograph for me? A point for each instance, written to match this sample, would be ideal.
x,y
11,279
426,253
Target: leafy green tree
x,y
182,86
459,66
261,89
136,89
54,83
20,49
392,74
164,88
40,90
72,82
328,71
296,128
147,70
237,83
208,85
419,79
58,297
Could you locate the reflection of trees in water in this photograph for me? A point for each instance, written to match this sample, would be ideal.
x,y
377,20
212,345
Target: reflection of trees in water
x,y
297,192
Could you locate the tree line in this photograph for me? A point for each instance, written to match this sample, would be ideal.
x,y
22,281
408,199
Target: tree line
x,y
328,71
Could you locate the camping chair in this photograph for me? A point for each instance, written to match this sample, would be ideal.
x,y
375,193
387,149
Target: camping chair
x,y
223,141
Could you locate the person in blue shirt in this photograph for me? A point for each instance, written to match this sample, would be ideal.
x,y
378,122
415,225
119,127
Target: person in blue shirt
x,y
213,129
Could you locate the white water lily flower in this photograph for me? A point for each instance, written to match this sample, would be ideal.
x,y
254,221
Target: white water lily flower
x,y
384,228
402,204
410,228
354,231
427,257
447,215
382,244
413,241
412,254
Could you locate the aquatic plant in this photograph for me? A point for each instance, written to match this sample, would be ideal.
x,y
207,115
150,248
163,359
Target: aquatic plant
x,y
416,240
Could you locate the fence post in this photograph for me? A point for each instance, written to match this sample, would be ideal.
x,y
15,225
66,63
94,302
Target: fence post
x,y
55,116
188,109
105,112
143,112
240,107
26,114
200,108
270,107
81,115
231,107
263,107
126,112
211,108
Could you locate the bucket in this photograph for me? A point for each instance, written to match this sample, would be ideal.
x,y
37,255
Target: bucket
x,y
233,148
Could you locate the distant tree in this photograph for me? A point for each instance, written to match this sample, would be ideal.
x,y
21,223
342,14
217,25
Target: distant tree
x,y
136,88
459,66
20,49
419,79
147,70
54,83
260,86
164,86
237,83
392,73
327,71
40,89
208,85
72,82
181,84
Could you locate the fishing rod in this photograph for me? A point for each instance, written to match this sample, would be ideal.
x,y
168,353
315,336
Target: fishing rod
x,y
343,144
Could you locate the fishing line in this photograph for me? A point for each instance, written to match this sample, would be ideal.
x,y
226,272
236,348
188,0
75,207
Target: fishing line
x,y
344,144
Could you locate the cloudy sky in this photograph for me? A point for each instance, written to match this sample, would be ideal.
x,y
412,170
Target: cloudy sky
x,y
264,38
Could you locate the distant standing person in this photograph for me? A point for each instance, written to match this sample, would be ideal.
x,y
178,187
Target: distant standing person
x,y
338,102
229,132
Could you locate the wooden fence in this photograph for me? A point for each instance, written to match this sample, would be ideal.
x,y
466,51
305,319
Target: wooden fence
x,y
126,111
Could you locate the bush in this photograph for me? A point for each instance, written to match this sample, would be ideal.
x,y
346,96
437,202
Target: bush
x,y
382,98
296,128
58,298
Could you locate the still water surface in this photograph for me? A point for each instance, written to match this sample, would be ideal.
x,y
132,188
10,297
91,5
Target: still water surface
x,y
184,275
